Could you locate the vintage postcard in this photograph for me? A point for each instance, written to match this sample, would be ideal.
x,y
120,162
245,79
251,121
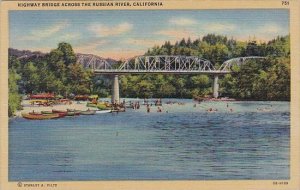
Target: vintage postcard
x,y
150,95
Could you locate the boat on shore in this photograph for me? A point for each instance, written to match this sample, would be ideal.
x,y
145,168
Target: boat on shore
x,y
40,116
103,111
58,111
71,113
88,112
67,113
77,112
47,113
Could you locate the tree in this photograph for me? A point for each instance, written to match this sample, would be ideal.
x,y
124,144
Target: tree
x,y
14,99
31,78
68,54
79,80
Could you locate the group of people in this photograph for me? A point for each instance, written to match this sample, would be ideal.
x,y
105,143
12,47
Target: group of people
x,y
215,110
149,109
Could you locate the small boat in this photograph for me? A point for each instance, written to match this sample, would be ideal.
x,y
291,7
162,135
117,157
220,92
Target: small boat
x,y
46,112
61,114
88,112
77,112
40,116
70,113
34,113
103,111
59,111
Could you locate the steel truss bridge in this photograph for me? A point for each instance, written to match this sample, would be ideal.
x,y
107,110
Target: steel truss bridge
x,y
161,64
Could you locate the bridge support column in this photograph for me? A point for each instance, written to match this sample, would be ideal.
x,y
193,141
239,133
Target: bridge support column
x,y
216,86
115,98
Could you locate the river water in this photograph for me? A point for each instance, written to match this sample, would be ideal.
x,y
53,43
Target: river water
x,y
182,142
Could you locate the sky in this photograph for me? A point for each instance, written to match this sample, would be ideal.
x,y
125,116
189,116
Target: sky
x,y
123,34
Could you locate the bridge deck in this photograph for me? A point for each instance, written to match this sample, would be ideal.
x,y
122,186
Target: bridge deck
x,y
117,71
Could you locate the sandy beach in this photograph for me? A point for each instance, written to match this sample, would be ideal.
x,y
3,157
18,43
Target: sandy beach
x,y
27,107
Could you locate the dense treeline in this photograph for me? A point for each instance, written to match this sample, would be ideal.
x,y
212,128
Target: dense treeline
x,y
58,72
267,79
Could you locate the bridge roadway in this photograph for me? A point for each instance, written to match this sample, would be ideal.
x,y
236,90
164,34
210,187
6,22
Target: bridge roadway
x,y
181,72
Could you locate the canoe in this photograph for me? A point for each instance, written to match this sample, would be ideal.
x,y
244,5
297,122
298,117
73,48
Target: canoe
x,y
40,116
35,113
88,112
103,111
70,113
58,111
46,112
77,112
61,114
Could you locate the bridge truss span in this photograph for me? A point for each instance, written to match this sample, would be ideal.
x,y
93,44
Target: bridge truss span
x,y
229,64
167,63
93,62
162,64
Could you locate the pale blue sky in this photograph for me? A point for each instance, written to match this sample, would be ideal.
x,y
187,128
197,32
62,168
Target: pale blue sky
x,y
123,34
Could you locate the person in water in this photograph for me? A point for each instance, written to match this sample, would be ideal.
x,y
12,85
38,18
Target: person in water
x,y
158,109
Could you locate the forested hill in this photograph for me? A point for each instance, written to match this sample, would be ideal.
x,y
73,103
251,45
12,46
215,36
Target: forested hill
x,y
268,79
28,55
218,49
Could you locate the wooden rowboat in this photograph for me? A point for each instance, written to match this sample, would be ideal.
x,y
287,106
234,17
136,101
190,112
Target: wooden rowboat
x,y
88,112
47,113
59,111
77,112
70,113
40,116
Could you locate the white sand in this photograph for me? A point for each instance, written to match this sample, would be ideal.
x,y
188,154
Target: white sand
x,y
27,107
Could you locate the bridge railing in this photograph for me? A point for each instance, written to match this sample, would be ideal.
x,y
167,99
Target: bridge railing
x,y
227,65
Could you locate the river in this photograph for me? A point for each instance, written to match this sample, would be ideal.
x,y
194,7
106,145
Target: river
x,y
182,142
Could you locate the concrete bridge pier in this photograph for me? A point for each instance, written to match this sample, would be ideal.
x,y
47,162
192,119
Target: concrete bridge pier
x,y
216,87
115,98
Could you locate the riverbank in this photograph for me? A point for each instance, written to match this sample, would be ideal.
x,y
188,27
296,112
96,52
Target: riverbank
x,y
27,107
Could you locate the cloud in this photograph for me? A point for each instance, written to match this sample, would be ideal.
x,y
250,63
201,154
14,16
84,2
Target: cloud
x,y
39,34
182,21
177,34
69,36
104,30
90,46
147,43
263,33
120,53
270,28
219,27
